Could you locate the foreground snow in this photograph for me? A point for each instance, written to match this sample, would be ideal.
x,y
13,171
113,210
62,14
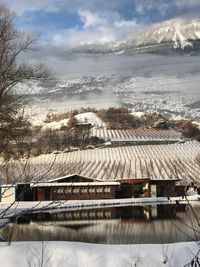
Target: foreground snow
x,y
76,254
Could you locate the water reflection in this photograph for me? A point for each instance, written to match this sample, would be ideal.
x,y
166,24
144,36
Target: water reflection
x,y
121,225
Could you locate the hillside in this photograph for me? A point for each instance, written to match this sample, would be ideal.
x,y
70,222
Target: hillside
x,y
176,35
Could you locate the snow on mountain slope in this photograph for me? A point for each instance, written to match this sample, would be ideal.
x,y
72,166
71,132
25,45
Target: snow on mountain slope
x,y
179,33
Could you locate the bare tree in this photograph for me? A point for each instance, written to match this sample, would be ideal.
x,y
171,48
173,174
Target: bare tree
x,y
13,72
13,44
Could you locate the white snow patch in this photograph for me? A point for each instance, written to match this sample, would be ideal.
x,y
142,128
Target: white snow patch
x,y
90,117
86,117
55,124
138,114
77,254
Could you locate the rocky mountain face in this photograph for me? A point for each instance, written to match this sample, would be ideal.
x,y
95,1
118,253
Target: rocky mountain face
x,y
180,35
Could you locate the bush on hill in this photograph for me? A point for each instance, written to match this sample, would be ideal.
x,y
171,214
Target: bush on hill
x,y
118,118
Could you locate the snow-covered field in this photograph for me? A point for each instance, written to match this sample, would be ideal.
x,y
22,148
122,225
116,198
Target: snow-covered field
x,y
137,135
76,254
155,161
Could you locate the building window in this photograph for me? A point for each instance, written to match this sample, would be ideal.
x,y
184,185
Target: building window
x,y
92,190
76,215
60,216
92,214
84,215
68,216
99,190
68,190
100,214
60,191
107,214
84,190
107,189
76,190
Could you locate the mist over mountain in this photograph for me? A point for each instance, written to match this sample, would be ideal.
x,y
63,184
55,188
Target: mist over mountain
x,y
169,85
133,72
180,35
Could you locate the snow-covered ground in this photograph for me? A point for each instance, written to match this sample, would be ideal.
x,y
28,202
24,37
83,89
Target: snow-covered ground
x,y
76,254
84,117
137,135
116,163
90,117
174,96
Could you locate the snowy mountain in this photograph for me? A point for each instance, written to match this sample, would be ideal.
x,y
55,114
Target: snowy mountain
x,y
181,35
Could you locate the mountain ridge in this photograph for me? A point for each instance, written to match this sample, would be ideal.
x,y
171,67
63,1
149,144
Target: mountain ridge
x,y
176,35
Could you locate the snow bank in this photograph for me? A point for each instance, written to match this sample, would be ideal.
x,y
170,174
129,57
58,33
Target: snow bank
x,y
76,254
138,114
90,117
55,124
86,117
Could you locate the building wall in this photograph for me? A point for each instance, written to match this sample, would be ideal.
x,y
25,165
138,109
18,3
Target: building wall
x,y
180,190
79,193
42,194
75,192
165,188
24,192
127,189
135,188
7,194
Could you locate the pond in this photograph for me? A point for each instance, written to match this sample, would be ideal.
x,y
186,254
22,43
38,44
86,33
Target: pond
x,y
120,225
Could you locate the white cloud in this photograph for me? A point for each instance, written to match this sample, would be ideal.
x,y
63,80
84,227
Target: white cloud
x,y
98,28
75,37
127,23
141,6
23,6
187,3
145,7
89,18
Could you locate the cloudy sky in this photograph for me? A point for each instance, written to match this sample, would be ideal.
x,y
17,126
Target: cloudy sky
x,y
71,22
66,24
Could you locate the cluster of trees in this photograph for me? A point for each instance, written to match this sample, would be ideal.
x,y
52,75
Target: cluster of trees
x,y
154,120
121,118
118,118
32,141
52,117
188,129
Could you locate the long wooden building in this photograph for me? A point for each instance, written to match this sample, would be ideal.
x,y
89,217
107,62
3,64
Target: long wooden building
x,y
76,187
